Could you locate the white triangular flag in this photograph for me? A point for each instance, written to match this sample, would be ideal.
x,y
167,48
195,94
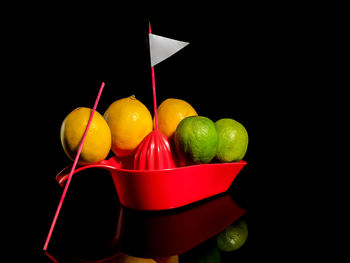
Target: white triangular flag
x,y
162,47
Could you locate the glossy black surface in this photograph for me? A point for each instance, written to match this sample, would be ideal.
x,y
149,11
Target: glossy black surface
x,y
88,232
93,225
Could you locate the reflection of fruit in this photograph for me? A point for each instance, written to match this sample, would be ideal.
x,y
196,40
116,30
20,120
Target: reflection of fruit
x,y
210,256
232,140
170,113
97,143
233,237
130,259
196,139
173,259
130,121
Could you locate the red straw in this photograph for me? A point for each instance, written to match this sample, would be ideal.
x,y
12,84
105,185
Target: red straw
x,y
73,168
154,88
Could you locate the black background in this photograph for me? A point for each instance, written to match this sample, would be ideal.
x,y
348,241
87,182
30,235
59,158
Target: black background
x,y
252,64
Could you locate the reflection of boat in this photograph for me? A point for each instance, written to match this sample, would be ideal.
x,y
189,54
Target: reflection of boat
x,y
147,234
167,188
167,233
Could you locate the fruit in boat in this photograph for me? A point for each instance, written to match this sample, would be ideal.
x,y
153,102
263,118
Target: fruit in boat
x,y
129,121
97,143
233,237
196,139
170,113
232,140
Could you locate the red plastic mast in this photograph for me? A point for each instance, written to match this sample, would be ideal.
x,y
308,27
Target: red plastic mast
x,y
154,87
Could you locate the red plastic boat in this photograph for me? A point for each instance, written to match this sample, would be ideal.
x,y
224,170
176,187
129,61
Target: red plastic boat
x,y
166,188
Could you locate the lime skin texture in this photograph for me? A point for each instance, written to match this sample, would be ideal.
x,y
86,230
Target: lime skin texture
x,y
232,140
196,140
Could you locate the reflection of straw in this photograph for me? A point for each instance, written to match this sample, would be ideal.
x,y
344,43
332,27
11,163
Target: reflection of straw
x,y
73,168
154,88
51,257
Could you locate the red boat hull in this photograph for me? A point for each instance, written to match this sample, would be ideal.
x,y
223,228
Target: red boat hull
x,y
171,188
166,188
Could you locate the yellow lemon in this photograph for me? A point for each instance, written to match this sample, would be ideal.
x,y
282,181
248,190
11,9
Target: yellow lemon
x,y
98,139
130,121
130,259
170,113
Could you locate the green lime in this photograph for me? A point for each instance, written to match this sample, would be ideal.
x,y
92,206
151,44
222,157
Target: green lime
x,y
233,237
232,140
196,139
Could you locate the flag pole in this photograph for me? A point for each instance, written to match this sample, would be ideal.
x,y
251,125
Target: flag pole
x,y
153,87
72,170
